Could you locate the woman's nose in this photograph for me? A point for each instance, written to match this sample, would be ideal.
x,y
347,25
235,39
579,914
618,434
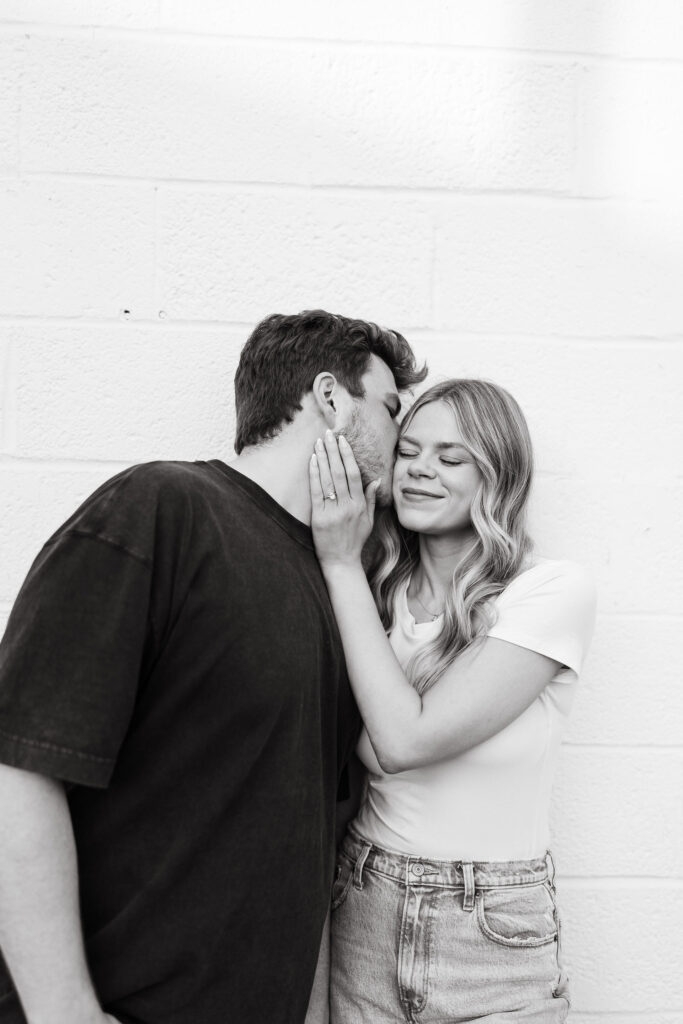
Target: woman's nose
x,y
418,467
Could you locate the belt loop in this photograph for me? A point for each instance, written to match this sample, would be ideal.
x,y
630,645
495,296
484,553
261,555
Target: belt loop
x,y
360,864
550,865
468,875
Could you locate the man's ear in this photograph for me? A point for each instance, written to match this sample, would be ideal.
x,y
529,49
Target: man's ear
x,y
326,395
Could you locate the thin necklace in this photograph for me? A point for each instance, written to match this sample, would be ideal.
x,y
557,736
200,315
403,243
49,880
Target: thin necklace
x,y
434,616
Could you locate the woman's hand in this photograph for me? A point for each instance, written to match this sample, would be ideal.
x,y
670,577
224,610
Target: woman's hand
x,y
341,512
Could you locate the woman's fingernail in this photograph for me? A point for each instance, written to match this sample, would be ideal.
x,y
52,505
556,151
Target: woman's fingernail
x,y
319,443
342,440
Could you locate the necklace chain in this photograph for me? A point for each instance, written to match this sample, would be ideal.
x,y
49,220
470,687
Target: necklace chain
x,y
433,615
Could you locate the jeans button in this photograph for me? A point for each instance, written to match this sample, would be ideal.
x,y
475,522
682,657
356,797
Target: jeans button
x,y
417,869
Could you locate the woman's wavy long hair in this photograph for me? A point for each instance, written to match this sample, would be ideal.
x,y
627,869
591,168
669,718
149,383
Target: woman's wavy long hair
x,y
495,433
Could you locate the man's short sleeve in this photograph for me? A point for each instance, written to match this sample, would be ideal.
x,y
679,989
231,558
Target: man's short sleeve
x,y
71,656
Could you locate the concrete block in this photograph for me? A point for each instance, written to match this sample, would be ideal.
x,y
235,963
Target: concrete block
x,y
619,812
148,106
454,121
35,501
228,111
627,27
227,255
629,537
432,22
4,615
11,60
543,267
626,1018
592,408
630,692
623,946
119,13
138,394
77,249
6,390
629,137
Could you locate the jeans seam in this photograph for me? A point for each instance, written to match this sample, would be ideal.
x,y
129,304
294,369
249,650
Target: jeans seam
x,y
561,973
484,887
399,965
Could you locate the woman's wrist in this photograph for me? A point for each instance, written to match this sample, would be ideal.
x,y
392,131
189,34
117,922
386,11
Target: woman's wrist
x,y
343,572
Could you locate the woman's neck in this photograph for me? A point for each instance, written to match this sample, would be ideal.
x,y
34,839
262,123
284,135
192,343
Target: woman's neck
x,y
439,559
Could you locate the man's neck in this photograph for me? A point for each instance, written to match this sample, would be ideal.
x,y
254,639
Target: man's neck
x,y
281,469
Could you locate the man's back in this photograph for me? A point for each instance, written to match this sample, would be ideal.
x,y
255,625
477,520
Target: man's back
x,y
198,704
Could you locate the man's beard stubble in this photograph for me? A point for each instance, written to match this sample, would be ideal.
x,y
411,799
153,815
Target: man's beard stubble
x,y
366,447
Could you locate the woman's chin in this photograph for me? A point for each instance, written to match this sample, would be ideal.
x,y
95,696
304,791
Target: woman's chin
x,y
412,519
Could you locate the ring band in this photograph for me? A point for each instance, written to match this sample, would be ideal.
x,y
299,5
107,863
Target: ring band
x,y
331,496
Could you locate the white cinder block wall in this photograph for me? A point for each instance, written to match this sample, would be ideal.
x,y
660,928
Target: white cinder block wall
x,y
498,179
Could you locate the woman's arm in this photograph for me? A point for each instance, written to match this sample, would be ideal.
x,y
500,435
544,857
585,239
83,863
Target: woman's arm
x,y
483,691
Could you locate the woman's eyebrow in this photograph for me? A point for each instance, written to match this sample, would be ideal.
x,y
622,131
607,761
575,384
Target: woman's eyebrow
x,y
439,445
450,444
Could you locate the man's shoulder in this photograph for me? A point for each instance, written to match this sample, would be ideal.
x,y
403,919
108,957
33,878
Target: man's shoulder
x,y
135,504
150,482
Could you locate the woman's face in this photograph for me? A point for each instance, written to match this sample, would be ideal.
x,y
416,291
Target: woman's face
x,y
435,479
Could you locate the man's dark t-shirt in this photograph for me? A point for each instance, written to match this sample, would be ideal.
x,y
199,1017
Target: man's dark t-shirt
x,y
173,657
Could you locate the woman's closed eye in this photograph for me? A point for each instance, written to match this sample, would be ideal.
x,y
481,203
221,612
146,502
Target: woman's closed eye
x,y
406,453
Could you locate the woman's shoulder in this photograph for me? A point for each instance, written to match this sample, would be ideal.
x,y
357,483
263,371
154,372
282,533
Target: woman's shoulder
x,y
549,607
552,577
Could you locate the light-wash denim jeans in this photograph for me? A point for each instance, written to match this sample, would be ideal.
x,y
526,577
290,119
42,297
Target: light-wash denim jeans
x,y
443,942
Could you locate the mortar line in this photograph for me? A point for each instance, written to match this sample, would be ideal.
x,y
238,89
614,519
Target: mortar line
x,y
178,183
520,53
624,748
406,191
666,882
417,332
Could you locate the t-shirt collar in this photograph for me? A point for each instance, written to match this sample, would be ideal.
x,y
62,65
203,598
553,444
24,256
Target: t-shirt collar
x,y
293,526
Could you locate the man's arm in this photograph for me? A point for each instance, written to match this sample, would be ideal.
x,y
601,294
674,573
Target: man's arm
x,y
347,809
40,927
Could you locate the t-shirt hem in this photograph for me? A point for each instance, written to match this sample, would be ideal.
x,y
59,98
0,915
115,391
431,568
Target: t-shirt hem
x,y
477,854
56,762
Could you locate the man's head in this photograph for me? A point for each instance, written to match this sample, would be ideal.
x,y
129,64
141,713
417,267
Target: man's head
x,y
349,372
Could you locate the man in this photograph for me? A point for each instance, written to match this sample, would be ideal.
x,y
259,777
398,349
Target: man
x,y
175,714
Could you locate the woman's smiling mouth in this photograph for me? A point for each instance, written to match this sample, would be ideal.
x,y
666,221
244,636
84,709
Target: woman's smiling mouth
x,y
413,494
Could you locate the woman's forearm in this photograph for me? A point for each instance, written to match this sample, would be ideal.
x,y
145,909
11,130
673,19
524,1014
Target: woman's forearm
x,y
389,705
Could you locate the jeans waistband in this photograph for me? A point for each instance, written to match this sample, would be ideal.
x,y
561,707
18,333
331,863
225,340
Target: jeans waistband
x,y
468,875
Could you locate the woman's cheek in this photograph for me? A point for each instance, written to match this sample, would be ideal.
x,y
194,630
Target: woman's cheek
x,y
396,483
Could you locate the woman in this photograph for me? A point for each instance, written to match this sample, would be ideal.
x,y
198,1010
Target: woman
x,y
443,907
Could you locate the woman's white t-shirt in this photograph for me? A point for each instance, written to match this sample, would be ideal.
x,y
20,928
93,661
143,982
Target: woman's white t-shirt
x,y
490,803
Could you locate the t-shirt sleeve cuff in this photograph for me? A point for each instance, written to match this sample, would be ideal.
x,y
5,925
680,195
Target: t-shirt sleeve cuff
x,y
55,762
566,658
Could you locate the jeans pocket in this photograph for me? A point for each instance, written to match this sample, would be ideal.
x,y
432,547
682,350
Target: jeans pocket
x,y
517,916
342,881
